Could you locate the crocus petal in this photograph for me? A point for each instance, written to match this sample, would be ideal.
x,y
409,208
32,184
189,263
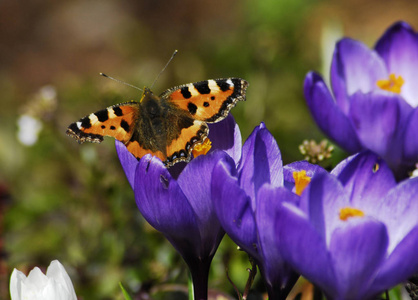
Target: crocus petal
x,y
410,140
399,49
16,284
226,136
269,200
401,264
342,164
36,277
357,250
322,201
261,162
57,271
195,182
399,210
304,249
375,117
163,204
128,162
233,208
367,178
52,292
329,117
354,68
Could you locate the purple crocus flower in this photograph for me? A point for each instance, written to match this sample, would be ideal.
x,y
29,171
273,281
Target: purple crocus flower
x,y
374,100
246,200
355,233
181,208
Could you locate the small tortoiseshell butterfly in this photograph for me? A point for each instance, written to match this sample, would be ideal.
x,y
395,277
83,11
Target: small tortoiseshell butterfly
x,y
168,126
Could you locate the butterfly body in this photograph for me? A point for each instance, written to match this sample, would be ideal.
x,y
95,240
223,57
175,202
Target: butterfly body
x,y
168,126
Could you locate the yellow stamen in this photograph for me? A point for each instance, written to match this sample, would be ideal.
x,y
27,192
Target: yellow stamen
x,y
350,212
301,181
203,148
392,84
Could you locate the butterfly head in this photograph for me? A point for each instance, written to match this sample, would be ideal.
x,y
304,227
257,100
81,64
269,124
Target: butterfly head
x,y
146,94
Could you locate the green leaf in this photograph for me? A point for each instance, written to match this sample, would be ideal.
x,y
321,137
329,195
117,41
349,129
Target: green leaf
x,y
190,287
124,292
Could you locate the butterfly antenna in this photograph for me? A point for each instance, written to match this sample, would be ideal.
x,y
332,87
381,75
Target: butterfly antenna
x,y
120,81
171,58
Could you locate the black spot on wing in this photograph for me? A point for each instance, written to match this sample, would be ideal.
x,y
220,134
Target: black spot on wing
x,y
185,92
85,122
124,125
102,115
103,127
112,127
118,111
202,87
205,104
223,85
188,146
192,108
73,127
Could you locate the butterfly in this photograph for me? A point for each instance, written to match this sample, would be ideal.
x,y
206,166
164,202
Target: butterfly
x,y
167,126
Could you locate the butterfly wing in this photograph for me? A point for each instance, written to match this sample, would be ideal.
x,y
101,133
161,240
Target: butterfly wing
x,y
182,139
210,100
117,121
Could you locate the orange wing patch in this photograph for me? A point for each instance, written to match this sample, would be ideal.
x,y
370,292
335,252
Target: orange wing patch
x,y
181,148
137,151
209,100
116,121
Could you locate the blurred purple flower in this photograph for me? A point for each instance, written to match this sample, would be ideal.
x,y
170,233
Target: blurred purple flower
x,y
246,201
181,208
374,101
355,233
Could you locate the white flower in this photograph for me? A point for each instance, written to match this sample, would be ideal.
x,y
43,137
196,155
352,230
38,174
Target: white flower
x,y
55,285
29,129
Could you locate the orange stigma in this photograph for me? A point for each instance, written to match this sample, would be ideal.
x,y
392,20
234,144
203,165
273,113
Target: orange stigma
x,y
203,148
392,84
301,181
350,212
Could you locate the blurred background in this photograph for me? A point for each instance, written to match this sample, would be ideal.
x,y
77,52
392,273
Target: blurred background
x,y
61,200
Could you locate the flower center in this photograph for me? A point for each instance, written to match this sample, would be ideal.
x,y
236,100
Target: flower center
x,y
203,148
301,181
350,212
392,84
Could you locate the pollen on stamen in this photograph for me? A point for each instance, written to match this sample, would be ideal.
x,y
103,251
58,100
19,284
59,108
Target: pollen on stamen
x,y
393,84
203,148
301,181
350,212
